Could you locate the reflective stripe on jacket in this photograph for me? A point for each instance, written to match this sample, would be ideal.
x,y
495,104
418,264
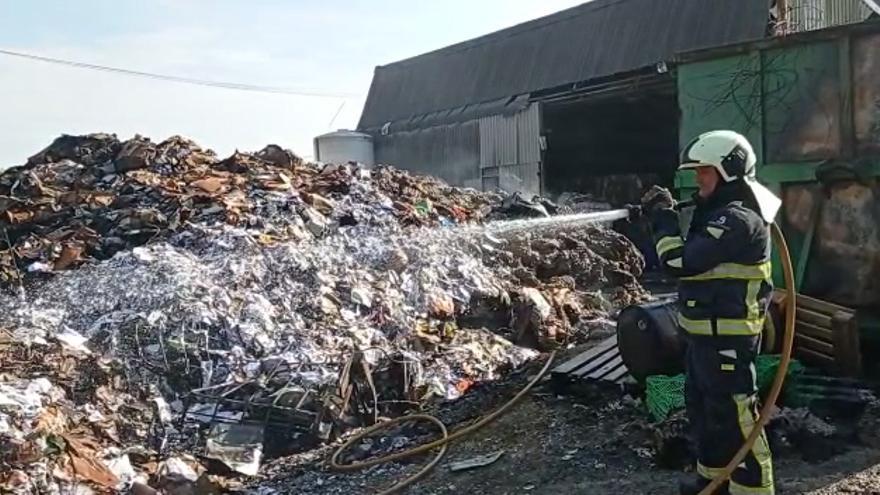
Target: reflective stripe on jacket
x,y
723,266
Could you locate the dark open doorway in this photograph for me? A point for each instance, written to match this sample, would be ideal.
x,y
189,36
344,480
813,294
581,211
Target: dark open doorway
x,y
613,147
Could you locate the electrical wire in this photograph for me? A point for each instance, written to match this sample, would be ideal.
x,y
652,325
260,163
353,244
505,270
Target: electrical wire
x,y
178,79
775,95
335,115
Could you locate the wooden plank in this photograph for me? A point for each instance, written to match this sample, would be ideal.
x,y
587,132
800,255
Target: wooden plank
x,y
813,318
838,401
815,344
808,379
855,335
804,256
825,334
809,303
617,374
605,369
819,389
820,306
597,363
586,363
847,344
815,358
585,357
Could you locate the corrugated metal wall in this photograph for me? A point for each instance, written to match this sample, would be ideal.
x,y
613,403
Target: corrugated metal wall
x,y
809,15
841,12
496,152
451,152
510,151
806,15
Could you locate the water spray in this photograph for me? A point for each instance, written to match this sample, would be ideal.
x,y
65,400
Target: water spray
x,y
572,221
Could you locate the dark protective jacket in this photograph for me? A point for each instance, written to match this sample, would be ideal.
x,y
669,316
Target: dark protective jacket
x,y
723,264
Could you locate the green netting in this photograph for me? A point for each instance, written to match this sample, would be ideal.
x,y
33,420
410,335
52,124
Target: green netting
x,y
665,394
765,371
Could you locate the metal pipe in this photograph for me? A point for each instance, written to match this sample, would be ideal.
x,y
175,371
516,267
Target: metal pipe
x,y
782,12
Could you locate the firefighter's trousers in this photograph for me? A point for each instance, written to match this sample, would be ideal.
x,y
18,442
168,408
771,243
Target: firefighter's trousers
x,y
722,407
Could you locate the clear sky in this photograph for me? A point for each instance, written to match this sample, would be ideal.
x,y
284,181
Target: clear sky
x,y
329,46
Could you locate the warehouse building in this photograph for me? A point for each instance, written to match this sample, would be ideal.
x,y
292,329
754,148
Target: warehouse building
x,y
581,100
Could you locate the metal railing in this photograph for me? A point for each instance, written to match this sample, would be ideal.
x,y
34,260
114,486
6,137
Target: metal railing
x,y
810,15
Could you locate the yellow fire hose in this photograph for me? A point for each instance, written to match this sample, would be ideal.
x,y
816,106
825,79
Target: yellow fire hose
x,y
787,342
442,443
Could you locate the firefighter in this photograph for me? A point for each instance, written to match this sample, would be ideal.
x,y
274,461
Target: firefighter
x,y
723,266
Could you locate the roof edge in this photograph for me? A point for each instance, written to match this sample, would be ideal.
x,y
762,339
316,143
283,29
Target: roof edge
x,y
867,26
516,29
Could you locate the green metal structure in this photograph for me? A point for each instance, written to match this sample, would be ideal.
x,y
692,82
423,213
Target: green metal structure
x,y
794,98
803,101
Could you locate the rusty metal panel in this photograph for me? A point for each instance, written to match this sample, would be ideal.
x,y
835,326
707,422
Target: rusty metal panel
x,y
866,87
802,102
844,264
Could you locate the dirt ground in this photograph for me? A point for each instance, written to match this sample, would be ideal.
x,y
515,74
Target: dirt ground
x,y
559,445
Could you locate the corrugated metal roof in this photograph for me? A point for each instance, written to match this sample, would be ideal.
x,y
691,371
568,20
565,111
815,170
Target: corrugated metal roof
x,y
593,40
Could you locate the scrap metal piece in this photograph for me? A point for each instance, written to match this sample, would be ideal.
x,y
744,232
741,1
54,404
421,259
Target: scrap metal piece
x,y
239,447
475,462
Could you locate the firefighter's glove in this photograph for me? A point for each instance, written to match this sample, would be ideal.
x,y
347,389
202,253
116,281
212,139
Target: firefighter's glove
x,y
657,198
635,212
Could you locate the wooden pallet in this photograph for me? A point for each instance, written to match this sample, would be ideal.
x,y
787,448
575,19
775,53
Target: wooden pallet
x,y
601,364
826,335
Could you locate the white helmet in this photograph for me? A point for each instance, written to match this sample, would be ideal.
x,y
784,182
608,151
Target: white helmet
x,y
732,155
728,152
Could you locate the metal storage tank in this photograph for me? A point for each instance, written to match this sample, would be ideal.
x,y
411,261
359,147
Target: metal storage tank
x,y
345,146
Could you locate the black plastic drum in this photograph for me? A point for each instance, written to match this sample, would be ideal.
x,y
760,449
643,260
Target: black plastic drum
x,y
649,340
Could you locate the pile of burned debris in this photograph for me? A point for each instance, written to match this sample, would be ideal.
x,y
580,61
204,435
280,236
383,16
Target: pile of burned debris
x,y
93,196
169,315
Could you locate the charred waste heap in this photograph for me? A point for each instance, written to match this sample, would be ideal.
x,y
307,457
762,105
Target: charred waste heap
x,y
156,296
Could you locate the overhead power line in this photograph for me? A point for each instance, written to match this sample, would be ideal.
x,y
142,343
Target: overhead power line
x,y
178,79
